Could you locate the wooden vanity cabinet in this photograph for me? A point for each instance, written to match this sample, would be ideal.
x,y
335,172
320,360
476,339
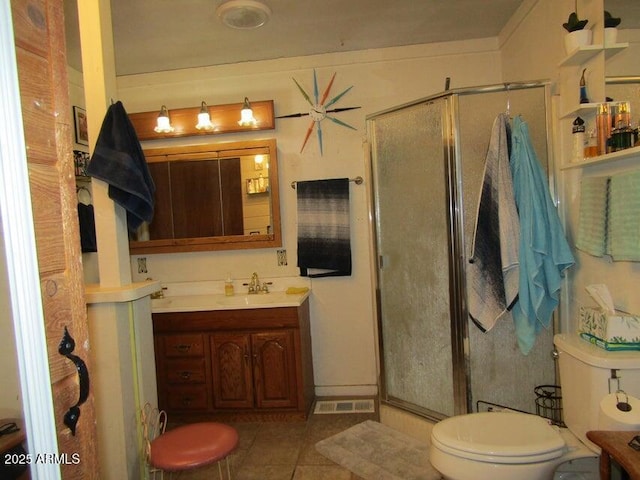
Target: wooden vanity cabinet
x,y
235,363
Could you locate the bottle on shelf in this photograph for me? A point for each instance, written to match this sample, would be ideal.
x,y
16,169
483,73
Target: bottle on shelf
x,y
591,147
579,144
603,127
584,98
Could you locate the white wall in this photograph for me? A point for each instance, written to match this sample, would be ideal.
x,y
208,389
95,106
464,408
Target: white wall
x,y
531,44
10,403
343,324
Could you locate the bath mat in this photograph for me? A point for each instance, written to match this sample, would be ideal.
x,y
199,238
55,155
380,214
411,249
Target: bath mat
x,y
376,452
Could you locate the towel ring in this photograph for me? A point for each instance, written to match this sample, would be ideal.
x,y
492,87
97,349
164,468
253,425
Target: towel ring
x,y
79,190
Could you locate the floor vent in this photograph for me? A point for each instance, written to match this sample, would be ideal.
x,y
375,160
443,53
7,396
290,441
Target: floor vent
x,y
344,406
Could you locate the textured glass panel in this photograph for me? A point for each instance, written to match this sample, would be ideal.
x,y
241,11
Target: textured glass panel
x,y
500,373
411,204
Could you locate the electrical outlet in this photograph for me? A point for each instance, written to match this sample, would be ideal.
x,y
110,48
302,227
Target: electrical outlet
x,y
282,258
142,265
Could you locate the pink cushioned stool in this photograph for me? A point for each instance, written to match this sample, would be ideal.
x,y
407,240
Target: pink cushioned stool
x,y
192,446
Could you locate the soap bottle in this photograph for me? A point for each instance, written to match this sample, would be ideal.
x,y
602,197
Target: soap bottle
x,y
228,286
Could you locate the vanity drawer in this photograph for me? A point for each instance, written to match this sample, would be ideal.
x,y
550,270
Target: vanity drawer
x,y
183,346
187,397
191,370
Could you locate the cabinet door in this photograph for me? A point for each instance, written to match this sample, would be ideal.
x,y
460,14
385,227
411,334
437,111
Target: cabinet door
x,y
274,367
231,370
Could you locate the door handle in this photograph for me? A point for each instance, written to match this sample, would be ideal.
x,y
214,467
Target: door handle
x,y
66,347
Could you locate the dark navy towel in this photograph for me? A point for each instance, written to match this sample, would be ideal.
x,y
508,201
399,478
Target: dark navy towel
x,y
119,161
87,223
324,243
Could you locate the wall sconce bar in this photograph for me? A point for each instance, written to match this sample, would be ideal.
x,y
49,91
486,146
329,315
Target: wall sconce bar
x,y
224,117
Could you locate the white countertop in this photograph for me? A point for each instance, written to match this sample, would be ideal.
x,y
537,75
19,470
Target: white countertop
x,y
198,303
95,293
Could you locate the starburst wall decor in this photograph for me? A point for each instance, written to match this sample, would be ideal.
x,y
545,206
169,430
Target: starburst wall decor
x,y
319,110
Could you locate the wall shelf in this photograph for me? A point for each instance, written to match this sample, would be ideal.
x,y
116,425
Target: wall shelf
x,y
582,55
581,109
604,159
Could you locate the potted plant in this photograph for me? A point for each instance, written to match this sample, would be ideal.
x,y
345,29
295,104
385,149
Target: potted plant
x,y
577,34
610,28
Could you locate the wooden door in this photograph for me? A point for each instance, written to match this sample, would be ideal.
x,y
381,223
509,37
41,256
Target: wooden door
x,y
231,202
274,367
40,50
161,226
195,198
231,370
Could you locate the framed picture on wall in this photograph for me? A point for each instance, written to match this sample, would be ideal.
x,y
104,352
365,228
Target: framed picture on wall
x,y
80,124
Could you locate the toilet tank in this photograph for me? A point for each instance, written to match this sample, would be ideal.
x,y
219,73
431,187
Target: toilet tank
x,y
585,378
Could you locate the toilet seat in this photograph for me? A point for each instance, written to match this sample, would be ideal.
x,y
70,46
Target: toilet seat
x,y
499,437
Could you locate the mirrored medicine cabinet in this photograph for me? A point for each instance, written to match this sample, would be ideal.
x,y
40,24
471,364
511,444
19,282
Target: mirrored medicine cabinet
x,y
212,197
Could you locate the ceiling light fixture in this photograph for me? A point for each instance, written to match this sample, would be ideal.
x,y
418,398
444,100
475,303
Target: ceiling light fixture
x,y
246,115
163,124
243,14
204,119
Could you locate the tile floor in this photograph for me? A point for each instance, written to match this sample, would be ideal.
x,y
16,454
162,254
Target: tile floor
x,y
285,450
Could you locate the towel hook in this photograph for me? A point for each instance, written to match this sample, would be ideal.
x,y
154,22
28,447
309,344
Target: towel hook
x,y
506,86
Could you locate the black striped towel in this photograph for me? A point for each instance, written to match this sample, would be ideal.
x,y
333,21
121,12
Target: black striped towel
x,y
324,243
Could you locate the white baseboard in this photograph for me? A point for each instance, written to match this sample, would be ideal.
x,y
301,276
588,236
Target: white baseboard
x,y
347,391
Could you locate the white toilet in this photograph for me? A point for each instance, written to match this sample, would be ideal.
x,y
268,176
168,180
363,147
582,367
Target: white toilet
x,y
512,445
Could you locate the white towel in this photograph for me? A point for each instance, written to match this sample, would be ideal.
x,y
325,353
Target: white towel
x,y
624,217
592,223
493,273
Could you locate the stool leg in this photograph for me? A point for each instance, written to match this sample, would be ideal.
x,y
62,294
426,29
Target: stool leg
x,y
228,469
220,471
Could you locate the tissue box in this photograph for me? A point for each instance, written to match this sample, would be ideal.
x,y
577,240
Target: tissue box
x,y
617,329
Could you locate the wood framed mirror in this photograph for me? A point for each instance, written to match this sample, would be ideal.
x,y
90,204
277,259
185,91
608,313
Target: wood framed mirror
x,y
221,196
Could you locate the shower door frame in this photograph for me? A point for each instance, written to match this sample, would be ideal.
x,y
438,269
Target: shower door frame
x,y
460,353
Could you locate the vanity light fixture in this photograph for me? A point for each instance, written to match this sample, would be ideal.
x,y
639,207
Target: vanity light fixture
x,y
204,119
243,14
246,115
258,162
224,119
163,124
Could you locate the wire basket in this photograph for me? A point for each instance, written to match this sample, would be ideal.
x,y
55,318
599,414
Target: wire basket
x,y
549,403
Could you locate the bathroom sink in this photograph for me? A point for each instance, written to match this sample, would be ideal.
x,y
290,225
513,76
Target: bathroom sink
x,y
194,303
259,299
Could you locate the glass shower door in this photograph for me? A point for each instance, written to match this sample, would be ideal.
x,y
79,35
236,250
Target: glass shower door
x,y
410,173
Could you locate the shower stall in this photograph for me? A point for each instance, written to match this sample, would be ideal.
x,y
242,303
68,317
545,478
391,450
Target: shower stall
x,y
427,164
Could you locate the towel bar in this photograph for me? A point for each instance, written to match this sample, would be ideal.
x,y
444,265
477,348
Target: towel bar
x,y
357,180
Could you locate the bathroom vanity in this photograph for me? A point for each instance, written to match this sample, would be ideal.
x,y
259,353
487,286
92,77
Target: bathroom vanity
x,y
241,357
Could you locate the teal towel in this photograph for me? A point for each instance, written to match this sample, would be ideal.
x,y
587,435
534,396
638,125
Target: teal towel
x,y
624,217
544,251
592,224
